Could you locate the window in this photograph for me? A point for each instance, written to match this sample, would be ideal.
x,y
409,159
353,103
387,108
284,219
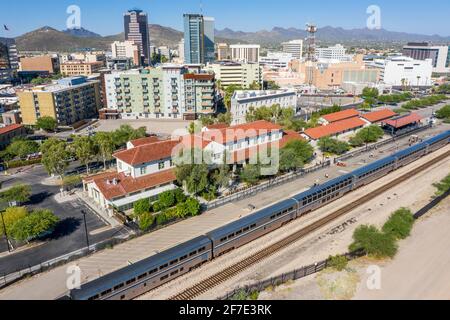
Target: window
x,y
118,286
163,266
142,276
173,262
161,165
130,281
144,170
192,253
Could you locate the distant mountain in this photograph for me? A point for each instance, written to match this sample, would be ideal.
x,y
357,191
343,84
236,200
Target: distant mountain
x,y
329,35
82,33
50,39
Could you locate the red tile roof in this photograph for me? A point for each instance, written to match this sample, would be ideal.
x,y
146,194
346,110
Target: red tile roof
x,y
341,115
148,152
380,115
127,184
404,121
217,126
10,128
144,141
334,128
241,132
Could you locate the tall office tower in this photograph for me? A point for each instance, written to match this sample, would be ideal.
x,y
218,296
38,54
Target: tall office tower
x,y
209,26
137,30
295,47
9,61
198,39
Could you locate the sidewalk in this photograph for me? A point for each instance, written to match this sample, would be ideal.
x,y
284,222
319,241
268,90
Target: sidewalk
x,y
103,215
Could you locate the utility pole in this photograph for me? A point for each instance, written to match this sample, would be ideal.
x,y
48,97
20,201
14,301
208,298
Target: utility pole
x,y
85,228
4,231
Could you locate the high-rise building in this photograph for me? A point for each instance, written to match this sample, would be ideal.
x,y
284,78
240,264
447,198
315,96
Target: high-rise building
x,y
332,54
9,61
198,39
209,43
69,101
295,47
245,52
440,55
137,30
126,49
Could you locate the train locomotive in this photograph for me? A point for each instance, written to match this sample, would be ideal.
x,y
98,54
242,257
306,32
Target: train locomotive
x,y
143,276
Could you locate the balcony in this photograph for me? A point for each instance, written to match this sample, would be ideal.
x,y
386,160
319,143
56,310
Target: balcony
x,y
156,91
174,97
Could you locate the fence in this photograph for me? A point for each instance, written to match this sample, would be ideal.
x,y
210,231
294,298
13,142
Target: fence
x,y
380,144
431,205
8,279
289,276
251,191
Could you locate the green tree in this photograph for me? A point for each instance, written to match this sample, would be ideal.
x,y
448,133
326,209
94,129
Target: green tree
x,y
11,216
443,186
221,176
338,262
271,85
19,193
399,224
126,133
22,147
250,174
84,149
225,118
105,145
33,225
72,181
255,86
333,146
229,91
302,149
197,182
374,242
141,206
46,123
289,160
370,134
55,157
444,112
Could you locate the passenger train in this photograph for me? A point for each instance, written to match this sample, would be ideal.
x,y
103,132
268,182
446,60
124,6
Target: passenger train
x,y
145,275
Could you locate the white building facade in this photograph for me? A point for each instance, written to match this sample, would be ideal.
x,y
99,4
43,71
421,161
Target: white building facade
x,y
277,60
332,54
235,73
245,52
404,71
243,101
294,47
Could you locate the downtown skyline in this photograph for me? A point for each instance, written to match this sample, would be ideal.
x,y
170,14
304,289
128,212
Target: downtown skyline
x,y
249,16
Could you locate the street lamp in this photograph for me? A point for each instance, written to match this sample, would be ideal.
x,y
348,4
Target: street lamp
x,y
4,231
85,228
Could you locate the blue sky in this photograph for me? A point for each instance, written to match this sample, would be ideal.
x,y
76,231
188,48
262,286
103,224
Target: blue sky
x,y
105,16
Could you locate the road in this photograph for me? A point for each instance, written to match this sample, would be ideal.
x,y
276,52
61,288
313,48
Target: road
x,y
137,249
69,235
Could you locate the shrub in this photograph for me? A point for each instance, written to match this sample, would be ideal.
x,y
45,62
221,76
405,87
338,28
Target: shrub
x,y
11,216
22,163
146,221
34,225
167,199
338,262
443,186
72,181
399,224
333,146
356,141
142,206
179,195
157,207
193,207
374,242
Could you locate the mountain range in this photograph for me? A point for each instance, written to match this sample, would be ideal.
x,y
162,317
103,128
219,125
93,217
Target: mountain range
x,y
50,39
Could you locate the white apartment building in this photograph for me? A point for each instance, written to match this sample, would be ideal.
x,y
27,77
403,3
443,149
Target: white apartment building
x,y
332,54
245,52
242,101
295,47
181,51
404,71
235,73
126,49
277,60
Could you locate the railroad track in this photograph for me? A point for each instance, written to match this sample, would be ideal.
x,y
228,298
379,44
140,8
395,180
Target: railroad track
x,y
232,271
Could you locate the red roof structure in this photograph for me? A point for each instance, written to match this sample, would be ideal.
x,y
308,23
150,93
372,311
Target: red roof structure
x,y
403,121
144,141
147,152
378,116
10,128
341,115
335,128
113,185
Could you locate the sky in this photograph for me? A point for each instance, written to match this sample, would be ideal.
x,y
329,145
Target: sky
x,y
105,16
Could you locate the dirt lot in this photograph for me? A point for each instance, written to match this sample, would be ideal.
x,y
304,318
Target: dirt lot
x,y
419,271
